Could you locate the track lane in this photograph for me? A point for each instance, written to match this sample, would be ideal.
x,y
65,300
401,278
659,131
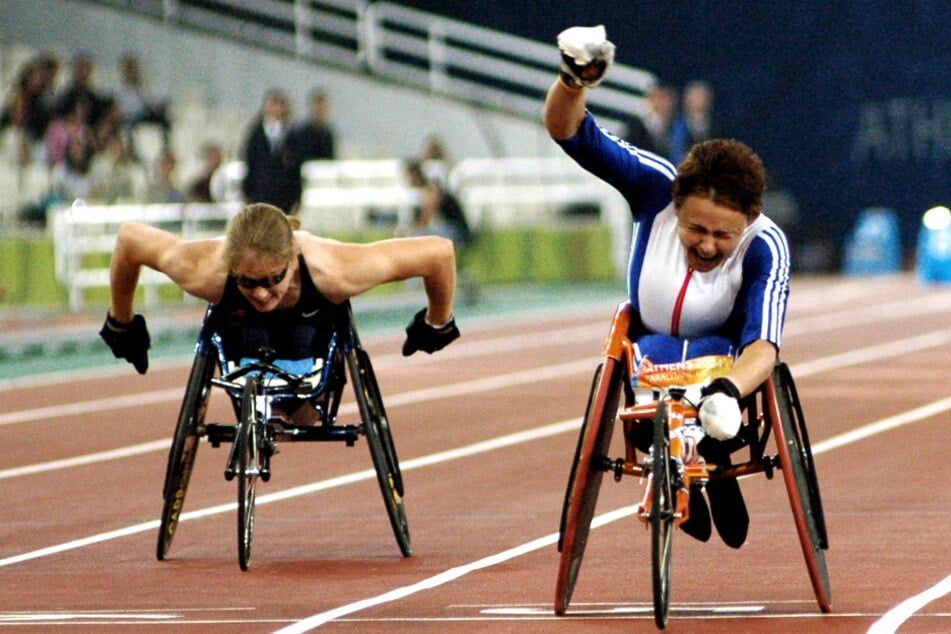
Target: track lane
x,y
285,553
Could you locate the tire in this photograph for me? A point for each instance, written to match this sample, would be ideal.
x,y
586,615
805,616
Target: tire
x,y
247,448
584,481
663,501
184,449
802,485
376,428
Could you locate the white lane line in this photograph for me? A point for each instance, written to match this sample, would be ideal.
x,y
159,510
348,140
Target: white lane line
x,y
414,463
312,622
444,577
459,350
894,618
917,343
497,382
92,458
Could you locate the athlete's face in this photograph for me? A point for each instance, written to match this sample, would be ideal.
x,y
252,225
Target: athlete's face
x,y
709,231
264,281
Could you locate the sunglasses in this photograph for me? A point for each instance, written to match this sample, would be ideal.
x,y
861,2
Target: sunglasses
x,y
251,283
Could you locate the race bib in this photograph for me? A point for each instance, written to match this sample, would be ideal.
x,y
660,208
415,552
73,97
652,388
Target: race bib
x,y
665,361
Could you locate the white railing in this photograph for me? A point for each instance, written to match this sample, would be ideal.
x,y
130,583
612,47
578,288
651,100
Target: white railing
x,y
346,196
417,48
84,237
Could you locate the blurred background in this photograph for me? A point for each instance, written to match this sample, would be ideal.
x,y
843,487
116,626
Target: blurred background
x,y
145,109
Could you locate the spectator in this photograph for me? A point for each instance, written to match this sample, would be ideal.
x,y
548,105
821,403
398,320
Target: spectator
x,y
16,147
66,127
136,103
162,188
81,89
30,104
273,174
116,178
439,213
200,189
696,123
72,177
314,139
653,131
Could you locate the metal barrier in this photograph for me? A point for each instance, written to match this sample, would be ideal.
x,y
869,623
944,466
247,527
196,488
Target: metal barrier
x,y
345,196
84,237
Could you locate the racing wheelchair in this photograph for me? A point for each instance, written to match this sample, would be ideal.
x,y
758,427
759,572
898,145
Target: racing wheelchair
x,y
259,389
772,418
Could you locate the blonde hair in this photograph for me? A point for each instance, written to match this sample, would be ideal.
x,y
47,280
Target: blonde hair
x,y
263,229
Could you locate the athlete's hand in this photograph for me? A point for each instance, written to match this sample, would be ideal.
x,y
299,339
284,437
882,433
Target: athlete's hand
x,y
129,341
420,335
720,409
586,55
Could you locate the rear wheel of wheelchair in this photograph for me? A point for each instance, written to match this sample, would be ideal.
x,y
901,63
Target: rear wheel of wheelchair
x,y
376,428
663,500
181,456
802,485
584,481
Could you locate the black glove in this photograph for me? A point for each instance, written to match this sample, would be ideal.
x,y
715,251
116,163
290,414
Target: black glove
x,y
722,385
429,339
129,341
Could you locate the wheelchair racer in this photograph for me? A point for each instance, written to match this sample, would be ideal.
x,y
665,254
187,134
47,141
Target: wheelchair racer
x,y
705,262
276,285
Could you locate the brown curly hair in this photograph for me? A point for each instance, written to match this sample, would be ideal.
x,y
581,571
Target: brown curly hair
x,y
264,229
725,171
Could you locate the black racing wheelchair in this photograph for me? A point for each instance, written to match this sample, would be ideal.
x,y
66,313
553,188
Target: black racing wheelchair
x,y
260,388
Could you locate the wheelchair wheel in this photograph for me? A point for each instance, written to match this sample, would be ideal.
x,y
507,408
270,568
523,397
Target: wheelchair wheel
x,y
802,486
376,428
247,449
181,456
584,482
663,501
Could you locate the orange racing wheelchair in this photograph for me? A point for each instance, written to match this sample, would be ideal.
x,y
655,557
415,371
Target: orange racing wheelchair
x,y
773,418
259,389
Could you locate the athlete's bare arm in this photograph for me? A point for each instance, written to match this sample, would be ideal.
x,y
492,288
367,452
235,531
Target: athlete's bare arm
x,y
343,270
196,266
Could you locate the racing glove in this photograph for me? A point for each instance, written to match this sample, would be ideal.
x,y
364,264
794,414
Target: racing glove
x,y
586,55
421,335
129,341
720,409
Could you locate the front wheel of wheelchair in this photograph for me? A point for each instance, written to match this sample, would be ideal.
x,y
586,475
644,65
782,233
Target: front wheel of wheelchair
x,y
181,455
376,428
584,482
663,502
247,450
802,485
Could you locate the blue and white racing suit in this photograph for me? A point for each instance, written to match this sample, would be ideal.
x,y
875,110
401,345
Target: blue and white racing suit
x,y
742,300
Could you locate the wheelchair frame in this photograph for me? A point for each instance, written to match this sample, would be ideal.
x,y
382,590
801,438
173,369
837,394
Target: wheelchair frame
x,y
773,409
252,388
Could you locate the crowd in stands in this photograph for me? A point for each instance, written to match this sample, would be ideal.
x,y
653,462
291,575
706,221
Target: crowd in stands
x,y
74,139
80,138
669,128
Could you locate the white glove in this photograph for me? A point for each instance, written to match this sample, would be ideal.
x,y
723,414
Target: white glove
x,y
720,415
586,55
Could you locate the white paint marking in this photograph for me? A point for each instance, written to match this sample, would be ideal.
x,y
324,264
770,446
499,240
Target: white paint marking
x,y
415,463
894,618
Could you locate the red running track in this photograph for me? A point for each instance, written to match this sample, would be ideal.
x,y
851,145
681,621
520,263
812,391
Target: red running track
x,y
485,432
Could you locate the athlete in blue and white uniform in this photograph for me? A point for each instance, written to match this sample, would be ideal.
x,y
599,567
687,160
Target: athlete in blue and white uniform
x,y
742,298
704,260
